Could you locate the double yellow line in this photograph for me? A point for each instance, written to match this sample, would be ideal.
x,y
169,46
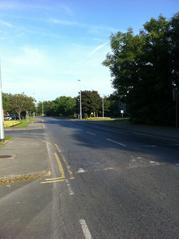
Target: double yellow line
x,y
61,170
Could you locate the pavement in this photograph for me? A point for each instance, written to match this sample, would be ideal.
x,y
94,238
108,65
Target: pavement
x,y
89,180
24,154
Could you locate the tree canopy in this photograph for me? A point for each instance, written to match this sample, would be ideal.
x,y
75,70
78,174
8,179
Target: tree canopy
x,y
145,68
18,103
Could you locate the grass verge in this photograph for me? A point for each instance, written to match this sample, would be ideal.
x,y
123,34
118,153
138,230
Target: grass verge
x,y
7,138
18,123
11,123
24,123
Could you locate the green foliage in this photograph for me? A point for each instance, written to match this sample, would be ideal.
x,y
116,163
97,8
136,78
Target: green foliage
x,y
18,103
91,103
145,67
62,106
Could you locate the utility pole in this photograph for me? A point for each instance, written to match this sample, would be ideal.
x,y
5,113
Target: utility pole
x,y
103,107
176,97
1,110
42,108
80,107
81,116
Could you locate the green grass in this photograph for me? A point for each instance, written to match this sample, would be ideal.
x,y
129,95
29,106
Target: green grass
x,y
99,118
25,123
11,123
7,138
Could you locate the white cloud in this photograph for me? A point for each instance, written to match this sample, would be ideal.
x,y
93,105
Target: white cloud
x,y
98,48
54,72
29,57
62,22
5,23
92,29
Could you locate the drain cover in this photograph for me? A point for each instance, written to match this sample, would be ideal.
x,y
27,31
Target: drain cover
x,y
5,156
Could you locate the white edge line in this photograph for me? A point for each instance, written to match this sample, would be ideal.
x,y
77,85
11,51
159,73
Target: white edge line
x,y
90,133
85,229
71,193
116,142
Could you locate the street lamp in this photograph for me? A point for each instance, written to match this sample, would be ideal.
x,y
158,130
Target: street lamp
x,y
103,107
1,110
80,104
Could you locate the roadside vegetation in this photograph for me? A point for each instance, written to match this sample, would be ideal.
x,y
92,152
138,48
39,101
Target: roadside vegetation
x,y
145,70
18,123
7,138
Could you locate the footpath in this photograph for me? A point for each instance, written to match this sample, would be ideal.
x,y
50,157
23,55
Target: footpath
x,y
25,157
155,131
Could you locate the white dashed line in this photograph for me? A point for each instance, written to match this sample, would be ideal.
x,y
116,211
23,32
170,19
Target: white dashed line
x,y
71,193
150,146
85,229
154,163
116,142
81,170
90,133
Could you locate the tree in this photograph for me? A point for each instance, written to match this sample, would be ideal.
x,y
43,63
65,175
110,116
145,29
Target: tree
x,y
91,103
143,67
22,102
7,102
65,106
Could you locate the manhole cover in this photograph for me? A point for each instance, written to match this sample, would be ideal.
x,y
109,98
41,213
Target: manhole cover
x,y
5,156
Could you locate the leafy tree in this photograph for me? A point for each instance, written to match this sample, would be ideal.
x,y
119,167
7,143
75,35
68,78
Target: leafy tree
x,y
91,103
65,106
7,102
22,102
144,68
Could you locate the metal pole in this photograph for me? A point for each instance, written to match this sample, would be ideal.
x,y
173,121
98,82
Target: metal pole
x,y
80,106
1,110
176,108
42,108
103,107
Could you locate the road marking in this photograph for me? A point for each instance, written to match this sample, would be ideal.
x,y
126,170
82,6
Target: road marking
x,y
154,162
81,170
116,142
85,229
58,149
69,187
90,133
60,167
65,162
53,181
150,146
109,168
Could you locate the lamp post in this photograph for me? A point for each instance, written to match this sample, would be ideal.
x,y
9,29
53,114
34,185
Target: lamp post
x,y
42,108
103,107
176,98
80,104
1,110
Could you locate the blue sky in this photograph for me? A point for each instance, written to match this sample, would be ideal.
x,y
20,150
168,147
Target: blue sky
x,y
47,45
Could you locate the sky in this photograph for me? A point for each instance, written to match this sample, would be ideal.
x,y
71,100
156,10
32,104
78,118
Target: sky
x,y
50,48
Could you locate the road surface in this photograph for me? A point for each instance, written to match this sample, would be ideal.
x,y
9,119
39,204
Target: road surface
x,y
106,183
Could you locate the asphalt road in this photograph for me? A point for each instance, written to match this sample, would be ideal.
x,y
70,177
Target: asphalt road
x,y
106,183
